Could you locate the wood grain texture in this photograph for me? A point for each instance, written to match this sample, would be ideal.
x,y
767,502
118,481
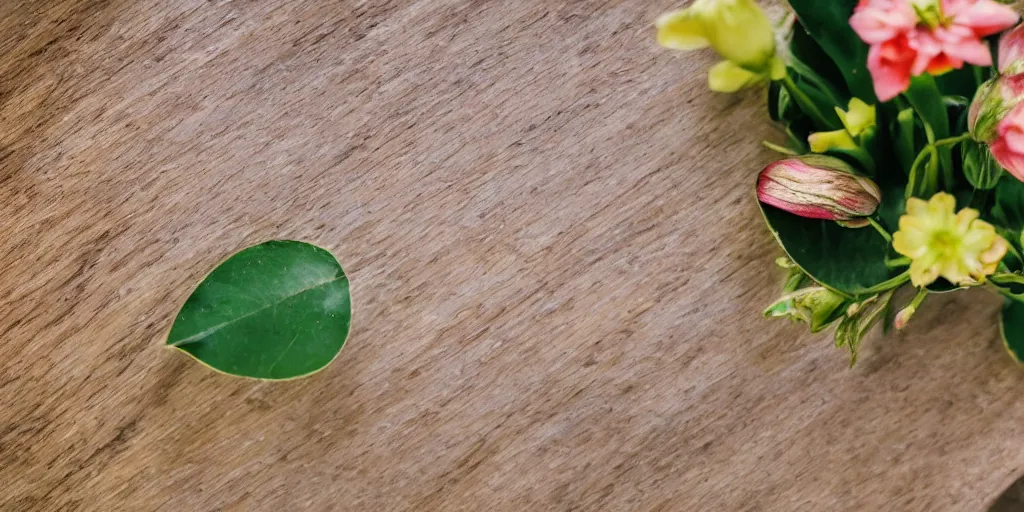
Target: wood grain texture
x,y
557,271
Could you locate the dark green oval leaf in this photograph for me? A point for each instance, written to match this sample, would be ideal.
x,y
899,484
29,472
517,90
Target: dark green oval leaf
x,y
277,310
849,261
1011,326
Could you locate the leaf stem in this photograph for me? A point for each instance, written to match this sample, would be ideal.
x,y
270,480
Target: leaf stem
x,y
919,298
889,284
912,185
779,149
951,141
898,262
881,231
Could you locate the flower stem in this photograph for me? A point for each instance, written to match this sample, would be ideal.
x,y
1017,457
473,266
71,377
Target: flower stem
x,y
897,263
951,140
893,283
881,231
919,298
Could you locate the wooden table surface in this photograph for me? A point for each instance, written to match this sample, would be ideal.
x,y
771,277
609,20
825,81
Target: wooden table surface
x,y
557,267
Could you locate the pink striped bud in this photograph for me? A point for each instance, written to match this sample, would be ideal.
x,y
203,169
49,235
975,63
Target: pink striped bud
x,y
819,187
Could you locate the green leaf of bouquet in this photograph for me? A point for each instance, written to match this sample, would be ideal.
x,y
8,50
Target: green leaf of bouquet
x,y
809,59
778,101
1008,210
849,261
1011,327
958,82
828,22
927,101
277,310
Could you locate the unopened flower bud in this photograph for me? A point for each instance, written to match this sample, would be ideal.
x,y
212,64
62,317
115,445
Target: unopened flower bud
x,y
1011,51
818,187
996,118
816,306
992,103
903,317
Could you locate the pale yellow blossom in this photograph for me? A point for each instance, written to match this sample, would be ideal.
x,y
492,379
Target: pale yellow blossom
x,y
957,246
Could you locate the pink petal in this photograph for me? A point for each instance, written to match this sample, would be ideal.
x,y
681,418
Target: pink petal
x,y
971,50
890,77
1015,141
1008,147
1011,47
927,46
1011,161
1013,86
984,17
877,22
1011,130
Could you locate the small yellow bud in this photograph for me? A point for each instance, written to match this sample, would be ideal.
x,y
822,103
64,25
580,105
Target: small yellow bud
x,y
823,142
858,118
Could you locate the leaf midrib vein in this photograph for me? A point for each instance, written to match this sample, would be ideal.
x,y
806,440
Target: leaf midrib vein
x,y
201,335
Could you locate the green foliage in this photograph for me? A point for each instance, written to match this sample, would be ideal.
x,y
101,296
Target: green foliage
x,y
828,23
920,148
1011,326
277,310
848,261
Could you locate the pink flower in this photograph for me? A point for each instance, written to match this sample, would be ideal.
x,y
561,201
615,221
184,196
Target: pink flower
x,y
911,37
818,187
1008,145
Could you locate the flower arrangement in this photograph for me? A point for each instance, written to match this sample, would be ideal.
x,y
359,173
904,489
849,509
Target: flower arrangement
x,y
901,117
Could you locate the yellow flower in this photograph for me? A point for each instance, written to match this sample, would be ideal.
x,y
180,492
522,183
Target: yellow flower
x,y
858,118
957,246
737,29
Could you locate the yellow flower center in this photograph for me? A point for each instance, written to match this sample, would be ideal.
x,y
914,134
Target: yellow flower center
x,y
946,244
929,13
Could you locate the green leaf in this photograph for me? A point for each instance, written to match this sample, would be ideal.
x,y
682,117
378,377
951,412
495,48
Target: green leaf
x,y
926,99
959,82
1009,203
828,22
277,310
1011,327
849,261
